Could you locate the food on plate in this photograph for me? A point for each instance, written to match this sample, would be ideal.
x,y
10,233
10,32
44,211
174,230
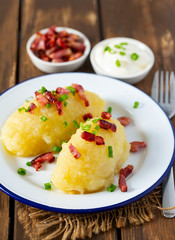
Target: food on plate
x,y
123,174
92,157
137,145
49,119
57,47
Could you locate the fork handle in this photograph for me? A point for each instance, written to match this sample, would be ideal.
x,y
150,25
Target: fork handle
x,y
168,196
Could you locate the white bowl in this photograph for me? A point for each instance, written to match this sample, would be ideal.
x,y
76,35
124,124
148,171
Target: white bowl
x,y
50,67
104,70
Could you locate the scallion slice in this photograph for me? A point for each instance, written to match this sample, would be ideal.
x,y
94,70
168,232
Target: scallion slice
x,y
65,124
96,120
28,164
72,90
43,118
110,152
21,171
57,148
117,63
134,56
63,97
42,90
111,188
86,127
65,103
47,186
48,105
76,125
109,110
136,104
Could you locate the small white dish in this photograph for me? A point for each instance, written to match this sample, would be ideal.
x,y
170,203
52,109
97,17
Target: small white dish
x,y
150,165
51,67
104,63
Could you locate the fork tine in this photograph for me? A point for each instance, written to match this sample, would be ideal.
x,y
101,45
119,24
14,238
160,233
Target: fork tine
x,y
167,87
155,87
161,87
172,89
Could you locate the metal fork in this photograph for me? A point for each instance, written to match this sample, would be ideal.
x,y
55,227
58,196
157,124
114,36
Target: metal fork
x,y
163,91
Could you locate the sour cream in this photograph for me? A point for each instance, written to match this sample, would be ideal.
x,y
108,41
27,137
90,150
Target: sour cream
x,y
122,58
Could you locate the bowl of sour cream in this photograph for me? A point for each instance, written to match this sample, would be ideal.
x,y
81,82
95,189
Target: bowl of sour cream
x,y
123,58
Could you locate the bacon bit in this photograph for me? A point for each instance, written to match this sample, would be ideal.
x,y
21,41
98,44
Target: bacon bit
x,y
41,98
127,170
87,116
124,120
51,98
136,146
36,162
62,91
61,54
90,137
75,56
76,46
105,115
122,183
74,151
107,125
61,43
59,107
32,107
80,90
99,140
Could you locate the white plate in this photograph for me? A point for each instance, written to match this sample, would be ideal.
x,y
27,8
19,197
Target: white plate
x,y
149,123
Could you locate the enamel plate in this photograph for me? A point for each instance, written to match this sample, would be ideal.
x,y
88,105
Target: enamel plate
x,y
149,123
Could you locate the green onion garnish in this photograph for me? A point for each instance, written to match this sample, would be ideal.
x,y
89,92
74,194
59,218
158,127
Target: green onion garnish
x,y
123,43
97,127
76,125
111,188
43,118
57,148
21,171
63,97
86,127
29,99
136,104
28,164
65,103
119,47
117,63
110,152
65,124
42,90
64,141
122,53
109,110
94,132
73,90
107,48
20,109
87,119
134,56
47,186
96,120
53,92
48,105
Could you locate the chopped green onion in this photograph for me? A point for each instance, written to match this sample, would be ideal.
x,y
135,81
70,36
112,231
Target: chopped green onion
x,y
47,186
48,105
97,127
63,97
64,141
81,124
53,92
21,171
86,127
94,132
96,120
109,110
134,56
43,118
42,90
117,63
123,43
29,99
65,103
110,152
136,104
122,53
57,148
73,90
111,188
87,119
65,124
110,50
75,124
28,164
119,47
107,48
20,109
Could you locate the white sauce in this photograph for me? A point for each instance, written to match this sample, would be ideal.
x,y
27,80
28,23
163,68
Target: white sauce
x,y
106,60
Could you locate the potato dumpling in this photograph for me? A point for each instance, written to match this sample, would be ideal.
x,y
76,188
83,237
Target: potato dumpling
x,y
26,134
95,168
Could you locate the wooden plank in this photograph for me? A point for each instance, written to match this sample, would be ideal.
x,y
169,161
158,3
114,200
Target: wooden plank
x,y
41,14
8,55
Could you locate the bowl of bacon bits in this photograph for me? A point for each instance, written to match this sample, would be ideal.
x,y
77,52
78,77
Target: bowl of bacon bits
x,y
58,49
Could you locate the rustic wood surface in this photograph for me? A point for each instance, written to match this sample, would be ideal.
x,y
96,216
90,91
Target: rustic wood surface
x,y
151,22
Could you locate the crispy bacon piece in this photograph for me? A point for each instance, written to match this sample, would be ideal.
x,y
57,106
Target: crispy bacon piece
x,y
136,146
59,107
74,151
76,46
124,120
127,170
36,162
107,125
75,56
90,137
87,116
122,183
60,54
80,90
41,98
105,115
99,140
61,43
62,91
32,107
51,98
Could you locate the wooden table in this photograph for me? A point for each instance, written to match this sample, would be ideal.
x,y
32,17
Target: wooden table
x,y
152,22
